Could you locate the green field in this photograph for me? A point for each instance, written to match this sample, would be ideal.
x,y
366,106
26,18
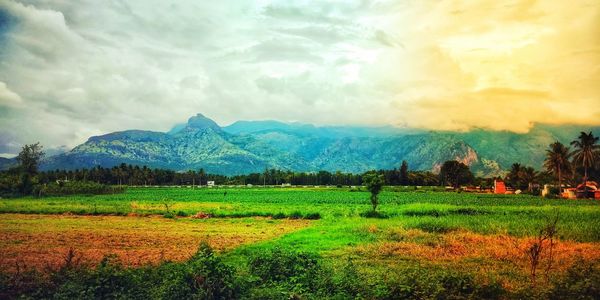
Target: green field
x,y
421,232
518,215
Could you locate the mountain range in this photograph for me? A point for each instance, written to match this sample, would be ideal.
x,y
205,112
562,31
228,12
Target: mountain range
x,y
251,146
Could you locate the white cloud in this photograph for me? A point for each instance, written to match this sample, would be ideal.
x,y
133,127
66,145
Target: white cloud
x,y
8,97
71,69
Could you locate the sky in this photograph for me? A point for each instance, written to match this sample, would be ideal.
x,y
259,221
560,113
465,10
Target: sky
x,y
73,69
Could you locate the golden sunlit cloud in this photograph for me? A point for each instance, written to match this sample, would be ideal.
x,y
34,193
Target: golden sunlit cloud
x,y
502,65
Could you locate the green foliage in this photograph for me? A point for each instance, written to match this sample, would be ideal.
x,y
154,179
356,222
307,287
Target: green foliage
x,y
482,213
587,151
312,216
9,184
29,159
557,161
77,188
278,265
204,276
582,281
374,214
374,183
277,273
455,173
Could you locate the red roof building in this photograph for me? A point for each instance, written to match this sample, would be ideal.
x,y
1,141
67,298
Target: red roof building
x,y
499,187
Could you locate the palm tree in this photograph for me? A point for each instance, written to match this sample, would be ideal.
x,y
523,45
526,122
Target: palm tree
x,y
557,161
528,175
586,151
514,176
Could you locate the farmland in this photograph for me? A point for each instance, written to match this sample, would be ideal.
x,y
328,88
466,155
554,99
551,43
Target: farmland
x,y
418,231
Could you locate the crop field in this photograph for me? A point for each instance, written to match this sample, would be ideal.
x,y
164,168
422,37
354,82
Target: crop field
x,y
483,235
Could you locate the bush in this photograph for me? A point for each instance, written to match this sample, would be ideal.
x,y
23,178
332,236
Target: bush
x,y
204,276
278,215
301,270
374,214
296,215
76,187
582,281
312,216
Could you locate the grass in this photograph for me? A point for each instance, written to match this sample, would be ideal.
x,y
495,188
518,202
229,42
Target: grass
x,y
479,234
518,215
37,240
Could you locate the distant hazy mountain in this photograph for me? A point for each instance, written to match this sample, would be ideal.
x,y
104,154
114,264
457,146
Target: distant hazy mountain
x,y
252,146
7,163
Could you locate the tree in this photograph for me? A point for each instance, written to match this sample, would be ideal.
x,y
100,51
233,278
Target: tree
x,y
374,183
29,159
455,173
586,151
529,176
557,161
202,175
404,173
514,176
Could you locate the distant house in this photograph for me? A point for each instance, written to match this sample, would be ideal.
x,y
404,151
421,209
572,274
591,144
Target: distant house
x,y
569,193
499,187
210,183
472,189
589,189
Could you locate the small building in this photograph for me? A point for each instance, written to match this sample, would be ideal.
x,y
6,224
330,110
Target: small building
x,y
589,189
569,193
210,183
499,187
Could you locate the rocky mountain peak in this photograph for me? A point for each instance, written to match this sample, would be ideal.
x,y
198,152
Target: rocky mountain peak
x,y
199,121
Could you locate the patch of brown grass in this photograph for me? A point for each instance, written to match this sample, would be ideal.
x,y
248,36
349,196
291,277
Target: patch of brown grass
x,y
43,240
472,252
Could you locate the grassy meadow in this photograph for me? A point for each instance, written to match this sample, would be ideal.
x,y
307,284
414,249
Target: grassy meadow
x,y
421,237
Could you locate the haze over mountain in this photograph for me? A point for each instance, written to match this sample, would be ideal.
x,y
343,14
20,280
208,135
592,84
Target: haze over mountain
x,y
252,146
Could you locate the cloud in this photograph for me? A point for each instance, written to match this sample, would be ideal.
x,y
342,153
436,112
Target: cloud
x,y
72,69
8,97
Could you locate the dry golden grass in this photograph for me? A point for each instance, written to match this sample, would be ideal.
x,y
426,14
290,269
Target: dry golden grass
x,y
44,240
487,255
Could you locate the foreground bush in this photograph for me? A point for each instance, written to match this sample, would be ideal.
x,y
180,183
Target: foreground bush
x,y
204,276
276,274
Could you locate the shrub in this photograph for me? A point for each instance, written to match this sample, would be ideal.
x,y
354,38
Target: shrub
x,y
374,214
581,281
296,215
278,215
204,276
299,269
312,216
